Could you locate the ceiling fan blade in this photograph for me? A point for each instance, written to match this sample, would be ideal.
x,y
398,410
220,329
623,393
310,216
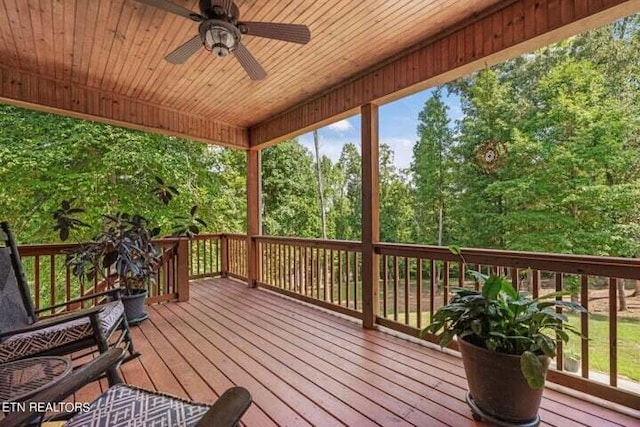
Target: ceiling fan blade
x,y
173,8
184,52
288,32
249,63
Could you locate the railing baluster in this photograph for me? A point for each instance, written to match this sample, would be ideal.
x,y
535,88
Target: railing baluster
x,y
356,281
325,273
535,291
407,296
584,325
419,293
515,275
318,274
52,281
385,281
396,280
559,347
308,262
348,274
37,282
432,289
67,278
445,283
331,277
613,332
339,277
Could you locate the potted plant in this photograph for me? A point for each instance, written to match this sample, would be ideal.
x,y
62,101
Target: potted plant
x,y
123,252
506,340
571,361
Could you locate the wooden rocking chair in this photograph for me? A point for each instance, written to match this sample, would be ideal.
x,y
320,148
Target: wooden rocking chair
x,y
23,334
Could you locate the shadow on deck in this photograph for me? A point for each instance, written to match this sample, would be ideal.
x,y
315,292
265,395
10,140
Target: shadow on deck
x,y
305,366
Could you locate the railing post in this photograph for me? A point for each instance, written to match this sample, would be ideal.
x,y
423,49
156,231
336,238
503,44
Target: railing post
x,y
224,255
370,215
183,269
253,216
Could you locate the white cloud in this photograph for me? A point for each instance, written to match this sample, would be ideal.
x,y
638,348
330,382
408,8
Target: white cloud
x,y
330,147
402,148
341,126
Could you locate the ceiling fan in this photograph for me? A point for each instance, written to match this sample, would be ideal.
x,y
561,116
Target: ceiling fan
x,y
221,33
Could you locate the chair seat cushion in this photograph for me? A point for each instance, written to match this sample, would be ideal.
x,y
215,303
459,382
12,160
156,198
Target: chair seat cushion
x,y
123,405
32,343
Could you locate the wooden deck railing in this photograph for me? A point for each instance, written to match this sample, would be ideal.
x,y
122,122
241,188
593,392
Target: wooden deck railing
x,y
52,283
236,256
205,256
324,272
414,281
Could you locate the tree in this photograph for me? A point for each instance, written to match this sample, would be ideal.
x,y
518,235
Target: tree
x,y
432,171
347,212
320,182
289,191
489,115
48,158
396,207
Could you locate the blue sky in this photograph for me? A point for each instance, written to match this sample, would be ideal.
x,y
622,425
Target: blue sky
x,y
398,128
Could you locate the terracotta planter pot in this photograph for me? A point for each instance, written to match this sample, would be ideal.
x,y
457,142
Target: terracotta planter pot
x,y
497,386
135,308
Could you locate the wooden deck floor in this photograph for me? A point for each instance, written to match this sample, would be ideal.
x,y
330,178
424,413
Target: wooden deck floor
x,y
304,366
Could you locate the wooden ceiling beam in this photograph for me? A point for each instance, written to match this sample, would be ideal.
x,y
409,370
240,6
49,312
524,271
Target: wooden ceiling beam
x,y
498,34
31,91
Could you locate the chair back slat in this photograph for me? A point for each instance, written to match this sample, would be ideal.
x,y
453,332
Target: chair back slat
x,y
16,305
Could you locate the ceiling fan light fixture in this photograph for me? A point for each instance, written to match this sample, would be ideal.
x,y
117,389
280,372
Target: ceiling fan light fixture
x,y
219,37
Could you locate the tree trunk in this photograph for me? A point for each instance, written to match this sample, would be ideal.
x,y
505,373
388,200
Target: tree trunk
x,y
323,213
636,292
622,300
440,215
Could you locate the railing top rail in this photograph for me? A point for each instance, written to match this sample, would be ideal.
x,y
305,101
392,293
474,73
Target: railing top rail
x,y
627,268
207,236
44,249
235,235
347,245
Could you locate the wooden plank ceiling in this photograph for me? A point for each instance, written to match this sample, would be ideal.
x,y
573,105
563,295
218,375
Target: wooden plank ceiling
x,y
105,58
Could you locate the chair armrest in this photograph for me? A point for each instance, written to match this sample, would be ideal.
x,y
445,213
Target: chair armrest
x,y
228,409
114,293
54,320
66,387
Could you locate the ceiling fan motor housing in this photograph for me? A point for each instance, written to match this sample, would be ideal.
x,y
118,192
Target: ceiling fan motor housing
x,y
219,37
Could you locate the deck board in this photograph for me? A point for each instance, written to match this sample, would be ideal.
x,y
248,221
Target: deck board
x,y
307,366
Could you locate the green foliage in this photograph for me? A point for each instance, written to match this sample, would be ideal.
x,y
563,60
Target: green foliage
x,y
502,320
568,116
432,173
290,202
124,248
48,158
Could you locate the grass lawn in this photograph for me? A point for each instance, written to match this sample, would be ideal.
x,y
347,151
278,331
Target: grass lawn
x,y
628,342
628,345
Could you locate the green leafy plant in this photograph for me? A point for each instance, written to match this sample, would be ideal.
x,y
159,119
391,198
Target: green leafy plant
x,y
66,219
188,226
503,320
124,247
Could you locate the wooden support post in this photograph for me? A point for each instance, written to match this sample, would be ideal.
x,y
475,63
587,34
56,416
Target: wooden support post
x,y
224,255
183,270
254,216
370,215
